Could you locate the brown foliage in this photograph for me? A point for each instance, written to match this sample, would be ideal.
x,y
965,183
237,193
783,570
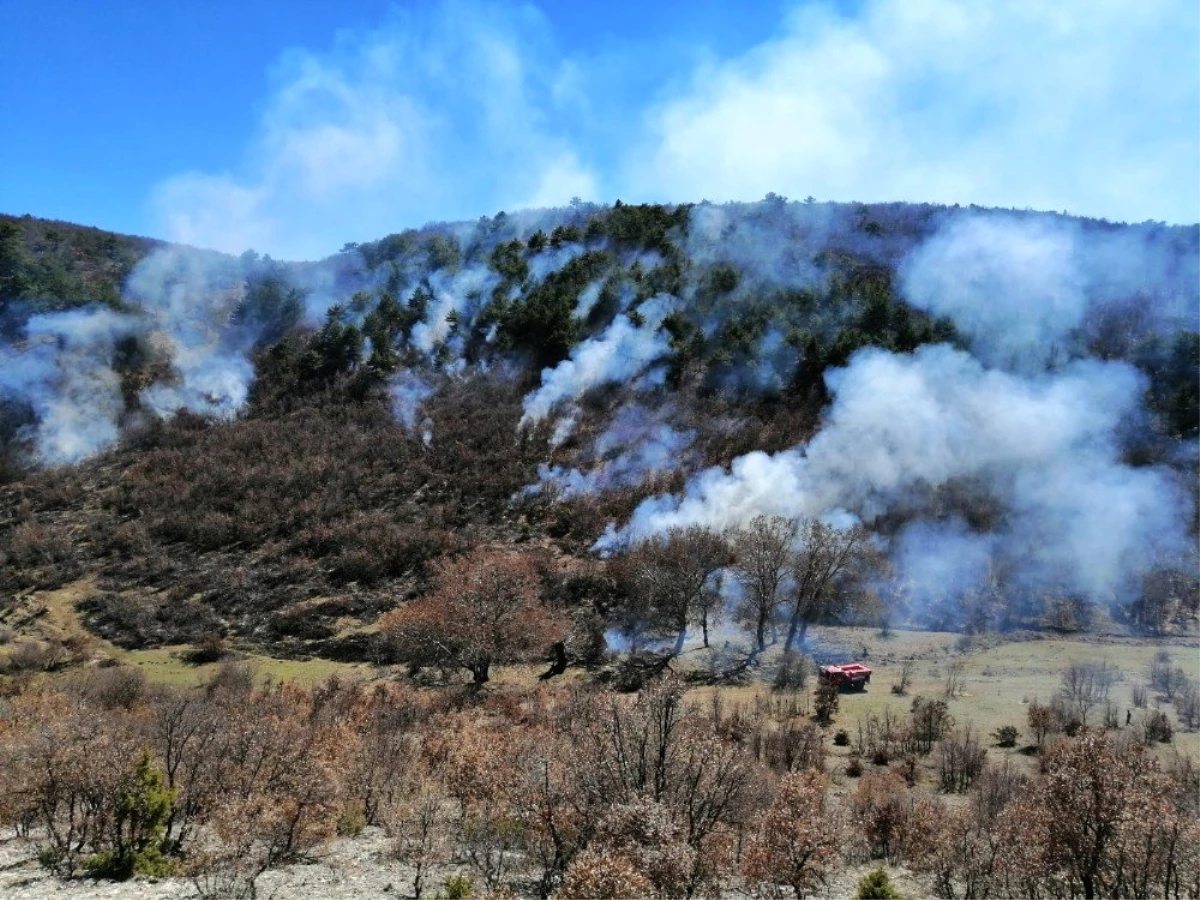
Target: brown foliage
x,y
595,875
486,609
882,808
237,520
798,841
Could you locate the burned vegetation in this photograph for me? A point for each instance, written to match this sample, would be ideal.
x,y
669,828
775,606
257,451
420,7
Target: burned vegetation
x,y
570,492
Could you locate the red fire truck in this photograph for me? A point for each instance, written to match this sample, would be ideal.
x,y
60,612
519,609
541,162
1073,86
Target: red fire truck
x,y
847,677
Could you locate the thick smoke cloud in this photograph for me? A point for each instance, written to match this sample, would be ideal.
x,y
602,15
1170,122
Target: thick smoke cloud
x,y
1024,431
184,313
188,299
64,373
1015,288
903,427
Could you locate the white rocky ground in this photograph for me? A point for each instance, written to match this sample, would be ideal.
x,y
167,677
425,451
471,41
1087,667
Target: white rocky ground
x,y
347,869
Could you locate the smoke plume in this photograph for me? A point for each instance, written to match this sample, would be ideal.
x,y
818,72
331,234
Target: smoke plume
x,y
636,445
1025,430
621,353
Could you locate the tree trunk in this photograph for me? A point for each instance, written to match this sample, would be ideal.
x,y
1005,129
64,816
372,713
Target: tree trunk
x,y
559,663
704,627
679,639
793,625
479,672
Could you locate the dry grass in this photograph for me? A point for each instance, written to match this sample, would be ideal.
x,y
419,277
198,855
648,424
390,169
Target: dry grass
x,y
169,665
999,677
998,681
52,616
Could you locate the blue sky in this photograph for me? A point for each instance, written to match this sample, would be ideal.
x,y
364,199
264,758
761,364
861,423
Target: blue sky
x,y
292,128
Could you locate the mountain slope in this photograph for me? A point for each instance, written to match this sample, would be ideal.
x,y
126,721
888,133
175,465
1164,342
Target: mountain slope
x,y
279,452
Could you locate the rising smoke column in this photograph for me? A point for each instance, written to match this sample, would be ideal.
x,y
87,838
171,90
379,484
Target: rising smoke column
x,y
1036,431
636,445
63,370
622,352
184,303
188,298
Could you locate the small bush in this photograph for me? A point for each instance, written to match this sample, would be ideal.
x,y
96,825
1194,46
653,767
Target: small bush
x,y
1112,715
841,738
142,811
115,687
34,656
854,768
792,748
210,650
825,704
876,885
792,674
908,669
351,823
881,756
1141,696
1187,705
1158,727
459,887
960,760
1006,735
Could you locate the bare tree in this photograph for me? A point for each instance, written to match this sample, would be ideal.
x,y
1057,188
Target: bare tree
x,y
954,679
908,669
764,552
1086,684
826,556
696,554
669,579
710,603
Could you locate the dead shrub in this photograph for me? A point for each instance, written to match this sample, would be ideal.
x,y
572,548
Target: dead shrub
x,y
960,758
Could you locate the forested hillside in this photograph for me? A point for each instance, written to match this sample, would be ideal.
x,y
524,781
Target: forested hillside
x,y
562,507
244,449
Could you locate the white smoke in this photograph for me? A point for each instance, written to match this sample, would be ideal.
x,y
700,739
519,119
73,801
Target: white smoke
x,y
622,352
184,303
187,298
939,562
636,445
772,243
587,299
64,372
408,391
901,427
460,294
552,259
1015,287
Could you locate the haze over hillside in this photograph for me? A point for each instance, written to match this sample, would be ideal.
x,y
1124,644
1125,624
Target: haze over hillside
x,y
1006,400
684,545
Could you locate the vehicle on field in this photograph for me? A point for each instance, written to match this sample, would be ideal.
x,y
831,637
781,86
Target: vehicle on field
x,y
846,677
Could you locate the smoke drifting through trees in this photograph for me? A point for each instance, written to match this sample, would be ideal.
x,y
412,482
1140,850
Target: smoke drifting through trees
x,y
987,374
1041,444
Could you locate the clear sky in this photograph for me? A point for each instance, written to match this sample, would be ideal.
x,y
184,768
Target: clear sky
x,y
295,127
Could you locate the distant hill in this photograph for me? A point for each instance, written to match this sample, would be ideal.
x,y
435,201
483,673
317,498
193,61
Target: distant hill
x,y
49,265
